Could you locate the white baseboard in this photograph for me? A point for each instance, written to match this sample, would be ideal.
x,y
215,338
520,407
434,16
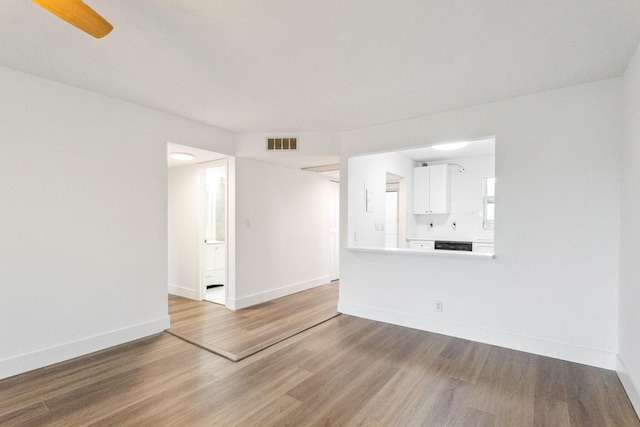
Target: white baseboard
x,y
184,292
630,386
558,350
48,356
254,299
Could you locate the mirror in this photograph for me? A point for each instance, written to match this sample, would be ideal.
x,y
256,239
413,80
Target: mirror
x,y
421,195
215,203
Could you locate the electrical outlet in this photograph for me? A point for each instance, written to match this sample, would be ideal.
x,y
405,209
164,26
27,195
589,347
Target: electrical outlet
x,y
437,306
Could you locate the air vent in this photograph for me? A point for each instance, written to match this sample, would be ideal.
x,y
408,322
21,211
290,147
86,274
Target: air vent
x,y
282,143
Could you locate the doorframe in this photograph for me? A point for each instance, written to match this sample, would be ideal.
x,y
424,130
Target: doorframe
x,y
229,232
334,231
397,183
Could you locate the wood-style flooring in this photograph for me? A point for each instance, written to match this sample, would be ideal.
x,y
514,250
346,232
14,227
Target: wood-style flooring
x,y
239,334
344,372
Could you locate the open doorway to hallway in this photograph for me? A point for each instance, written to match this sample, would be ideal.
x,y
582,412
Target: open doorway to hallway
x,y
282,234
200,241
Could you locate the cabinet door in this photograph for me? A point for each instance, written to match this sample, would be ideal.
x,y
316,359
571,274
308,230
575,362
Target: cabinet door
x,y
439,199
215,264
421,190
210,264
483,247
210,257
431,193
422,245
220,256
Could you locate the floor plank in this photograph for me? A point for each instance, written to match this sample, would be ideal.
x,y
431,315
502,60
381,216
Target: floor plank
x,y
550,400
346,371
236,335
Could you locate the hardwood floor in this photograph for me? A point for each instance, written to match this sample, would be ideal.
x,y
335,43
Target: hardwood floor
x,y
346,371
239,334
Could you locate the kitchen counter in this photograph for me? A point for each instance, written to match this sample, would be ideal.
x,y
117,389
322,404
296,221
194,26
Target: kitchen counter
x,y
410,251
453,239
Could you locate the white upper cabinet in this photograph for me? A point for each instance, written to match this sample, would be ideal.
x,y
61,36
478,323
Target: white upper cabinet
x,y
431,194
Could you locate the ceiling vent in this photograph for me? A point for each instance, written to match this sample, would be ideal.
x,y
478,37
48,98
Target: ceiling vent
x,y
282,144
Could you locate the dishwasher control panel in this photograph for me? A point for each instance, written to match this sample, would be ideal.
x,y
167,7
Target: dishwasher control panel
x,y
453,246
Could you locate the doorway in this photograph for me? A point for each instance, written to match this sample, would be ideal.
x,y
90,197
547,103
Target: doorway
x,y
334,230
215,225
395,211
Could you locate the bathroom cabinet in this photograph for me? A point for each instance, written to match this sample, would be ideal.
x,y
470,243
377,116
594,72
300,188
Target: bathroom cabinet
x,y
215,263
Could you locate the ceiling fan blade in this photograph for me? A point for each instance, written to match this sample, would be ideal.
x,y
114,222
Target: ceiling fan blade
x,y
78,14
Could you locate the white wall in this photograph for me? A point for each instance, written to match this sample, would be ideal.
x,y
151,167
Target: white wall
x,y
370,172
184,231
552,288
83,219
283,241
629,346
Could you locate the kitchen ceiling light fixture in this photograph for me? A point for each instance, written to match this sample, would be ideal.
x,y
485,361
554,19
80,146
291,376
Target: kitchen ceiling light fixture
x,y
182,156
450,146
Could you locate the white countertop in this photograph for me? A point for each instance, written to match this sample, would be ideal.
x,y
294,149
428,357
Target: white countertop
x,y
454,239
439,252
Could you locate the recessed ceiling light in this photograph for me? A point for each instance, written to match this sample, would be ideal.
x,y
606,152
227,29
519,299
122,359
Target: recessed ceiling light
x,y
450,146
182,156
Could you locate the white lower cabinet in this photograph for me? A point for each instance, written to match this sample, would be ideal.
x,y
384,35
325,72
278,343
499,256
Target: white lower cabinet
x,y
422,245
215,264
429,246
483,247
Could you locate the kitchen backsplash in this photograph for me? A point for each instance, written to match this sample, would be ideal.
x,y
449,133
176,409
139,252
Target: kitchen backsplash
x,y
467,226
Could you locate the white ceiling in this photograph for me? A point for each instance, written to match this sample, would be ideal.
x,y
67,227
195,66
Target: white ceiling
x,y
323,65
480,147
199,156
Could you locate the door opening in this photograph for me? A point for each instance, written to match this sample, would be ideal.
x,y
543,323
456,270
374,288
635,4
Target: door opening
x,y
391,219
214,250
334,230
395,212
